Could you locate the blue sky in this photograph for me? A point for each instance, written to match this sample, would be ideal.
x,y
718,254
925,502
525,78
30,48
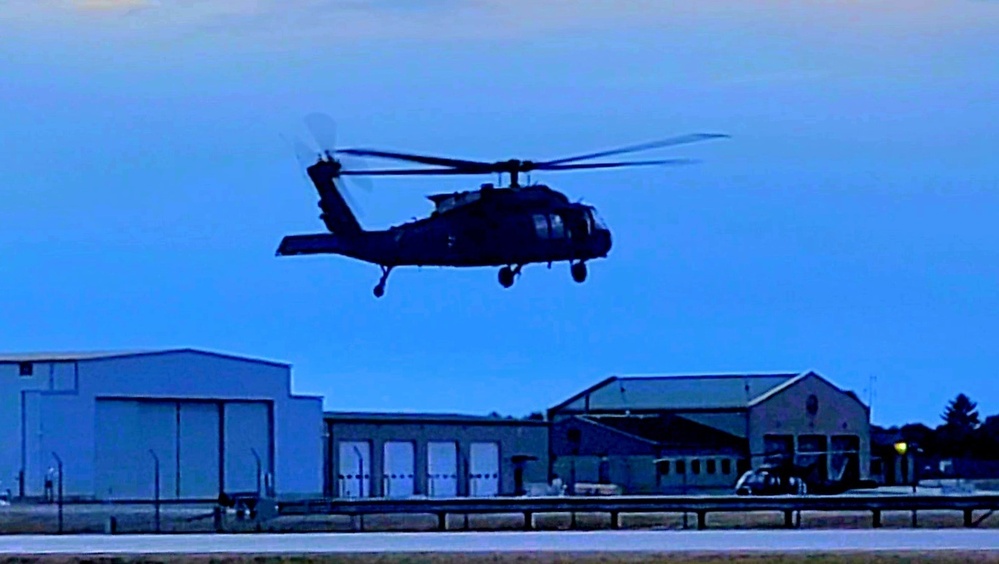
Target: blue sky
x,y
848,226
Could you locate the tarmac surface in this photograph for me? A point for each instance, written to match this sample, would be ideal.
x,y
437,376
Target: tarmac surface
x,y
471,542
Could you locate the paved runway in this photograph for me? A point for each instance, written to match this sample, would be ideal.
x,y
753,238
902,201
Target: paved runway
x,y
598,541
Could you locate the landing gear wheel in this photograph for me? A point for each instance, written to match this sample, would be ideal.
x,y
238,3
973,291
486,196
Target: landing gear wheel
x,y
578,272
506,276
380,288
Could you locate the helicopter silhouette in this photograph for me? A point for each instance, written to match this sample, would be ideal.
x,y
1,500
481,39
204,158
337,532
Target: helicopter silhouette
x,y
493,226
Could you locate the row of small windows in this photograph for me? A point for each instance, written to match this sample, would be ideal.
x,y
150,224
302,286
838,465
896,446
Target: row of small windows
x,y
711,466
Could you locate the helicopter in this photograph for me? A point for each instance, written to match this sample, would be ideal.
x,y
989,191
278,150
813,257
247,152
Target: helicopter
x,y
493,226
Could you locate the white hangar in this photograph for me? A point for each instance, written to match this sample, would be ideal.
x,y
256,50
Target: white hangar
x,y
216,423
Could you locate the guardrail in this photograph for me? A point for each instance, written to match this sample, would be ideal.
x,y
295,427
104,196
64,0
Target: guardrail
x,y
698,505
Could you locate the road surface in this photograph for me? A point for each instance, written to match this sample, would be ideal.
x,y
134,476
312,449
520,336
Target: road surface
x,y
568,541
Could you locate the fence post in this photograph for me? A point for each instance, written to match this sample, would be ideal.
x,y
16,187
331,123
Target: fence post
x,y
256,458
59,466
156,482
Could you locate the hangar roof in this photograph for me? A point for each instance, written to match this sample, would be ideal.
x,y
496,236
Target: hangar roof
x,y
670,431
101,355
425,418
681,392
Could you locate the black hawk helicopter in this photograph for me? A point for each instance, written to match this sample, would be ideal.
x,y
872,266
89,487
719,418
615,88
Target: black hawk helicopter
x,y
507,227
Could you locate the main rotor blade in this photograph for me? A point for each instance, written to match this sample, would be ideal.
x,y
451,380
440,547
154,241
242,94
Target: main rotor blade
x,y
411,172
423,159
680,140
615,165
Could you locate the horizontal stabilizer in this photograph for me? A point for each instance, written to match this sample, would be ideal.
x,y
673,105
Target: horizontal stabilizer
x,y
320,243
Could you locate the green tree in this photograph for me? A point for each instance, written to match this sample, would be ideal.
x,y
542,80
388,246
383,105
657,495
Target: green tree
x,y
961,415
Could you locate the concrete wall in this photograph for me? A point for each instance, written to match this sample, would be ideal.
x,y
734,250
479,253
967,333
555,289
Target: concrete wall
x,y
786,412
514,438
55,412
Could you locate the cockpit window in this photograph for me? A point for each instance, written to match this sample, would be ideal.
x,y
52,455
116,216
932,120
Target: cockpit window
x,y
597,220
557,231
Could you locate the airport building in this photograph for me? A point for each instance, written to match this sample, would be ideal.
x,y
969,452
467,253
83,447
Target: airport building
x,y
201,424
209,423
697,434
433,455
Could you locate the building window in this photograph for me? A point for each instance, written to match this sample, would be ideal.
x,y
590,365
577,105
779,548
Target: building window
x,y
711,466
681,466
662,467
726,466
26,369
695,466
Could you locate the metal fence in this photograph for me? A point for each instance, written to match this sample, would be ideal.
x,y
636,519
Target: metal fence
x,y
250,513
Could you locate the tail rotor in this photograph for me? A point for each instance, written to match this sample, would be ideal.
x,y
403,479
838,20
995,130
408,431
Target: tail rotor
x,y
323,130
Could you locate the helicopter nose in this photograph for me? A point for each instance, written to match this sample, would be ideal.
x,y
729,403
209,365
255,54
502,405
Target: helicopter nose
x,y
602,241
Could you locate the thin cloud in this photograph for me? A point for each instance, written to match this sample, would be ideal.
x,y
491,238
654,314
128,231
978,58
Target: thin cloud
x,y
295,20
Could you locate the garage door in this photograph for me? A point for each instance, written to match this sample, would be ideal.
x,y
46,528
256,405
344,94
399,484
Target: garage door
x,y
198,456
247,439
397,469
442,469
354,473
128,432
483,469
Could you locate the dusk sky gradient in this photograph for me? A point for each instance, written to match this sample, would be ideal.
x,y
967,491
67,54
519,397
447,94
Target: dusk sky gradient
x,y
850,225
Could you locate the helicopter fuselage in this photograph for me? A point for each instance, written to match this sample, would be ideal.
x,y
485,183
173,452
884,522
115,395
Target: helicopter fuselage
x,y
481,233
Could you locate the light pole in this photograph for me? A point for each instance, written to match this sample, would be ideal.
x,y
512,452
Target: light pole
x,y
156,485
902,448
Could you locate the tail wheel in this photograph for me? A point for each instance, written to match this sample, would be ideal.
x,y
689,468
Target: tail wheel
x,y
578,272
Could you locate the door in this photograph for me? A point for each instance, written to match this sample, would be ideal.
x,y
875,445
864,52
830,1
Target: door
x,y
198,451
397,469
483,479
247,446
129,434
442,469
354,476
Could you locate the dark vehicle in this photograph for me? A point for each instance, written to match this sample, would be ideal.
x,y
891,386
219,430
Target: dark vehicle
x,y
769,481
507,227
781,476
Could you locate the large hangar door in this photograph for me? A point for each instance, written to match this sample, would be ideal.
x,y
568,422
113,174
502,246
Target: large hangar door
x,y
442,469
483,469
354,475
198,459
128,432
398,474
247,438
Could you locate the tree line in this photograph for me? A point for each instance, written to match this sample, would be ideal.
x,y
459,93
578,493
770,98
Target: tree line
x,y
961,434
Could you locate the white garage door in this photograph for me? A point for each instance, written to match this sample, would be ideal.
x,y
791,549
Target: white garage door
x,y
397,469
442,469
354,476
247,438
198,459
128,432
483,470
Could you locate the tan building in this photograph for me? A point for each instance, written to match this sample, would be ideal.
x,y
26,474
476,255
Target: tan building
x,y
405,455
674,434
